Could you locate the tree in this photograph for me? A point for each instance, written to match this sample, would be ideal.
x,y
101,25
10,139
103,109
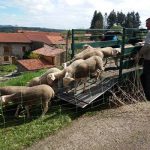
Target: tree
x,y
137,20
120,19
112,19
132,20
93,20
128,21
97,21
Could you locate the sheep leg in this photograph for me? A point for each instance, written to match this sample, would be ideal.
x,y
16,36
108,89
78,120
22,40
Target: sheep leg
x,y
84,87
27,110
45,107
17,111
76,85
106,61
98,74
116,62
84,84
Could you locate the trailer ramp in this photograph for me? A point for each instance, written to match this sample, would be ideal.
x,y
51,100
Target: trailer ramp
x,y
93,91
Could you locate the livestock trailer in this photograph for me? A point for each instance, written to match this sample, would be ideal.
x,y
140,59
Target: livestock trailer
x,y
126,39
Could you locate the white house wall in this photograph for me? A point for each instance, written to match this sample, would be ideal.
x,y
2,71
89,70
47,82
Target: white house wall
x,y
16,49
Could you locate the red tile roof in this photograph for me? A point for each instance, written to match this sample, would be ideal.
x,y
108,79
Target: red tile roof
x,y
37,36
45,37
14,38
28,36
56,39
48,51
34,64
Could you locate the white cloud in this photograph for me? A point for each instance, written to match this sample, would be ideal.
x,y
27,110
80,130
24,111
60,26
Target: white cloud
x,y
66,13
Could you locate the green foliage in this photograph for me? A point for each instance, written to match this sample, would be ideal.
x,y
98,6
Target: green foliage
x,y
9,28
22,132
112,19
97,21
131,20
29,131
116,27
22,79
33,56
26,54
6,69
120,18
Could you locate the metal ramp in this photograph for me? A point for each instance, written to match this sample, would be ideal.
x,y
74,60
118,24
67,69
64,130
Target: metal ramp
x,y
93,91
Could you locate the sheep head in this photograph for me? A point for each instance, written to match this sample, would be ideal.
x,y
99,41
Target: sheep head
x,y
116,51
35,81
50,78
64,64
85,46
67,81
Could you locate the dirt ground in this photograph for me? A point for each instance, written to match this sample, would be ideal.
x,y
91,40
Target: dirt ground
x,y
123,128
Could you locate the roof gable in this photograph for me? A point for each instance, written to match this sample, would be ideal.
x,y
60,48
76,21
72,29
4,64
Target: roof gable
x,y
34,64
13,38
48,51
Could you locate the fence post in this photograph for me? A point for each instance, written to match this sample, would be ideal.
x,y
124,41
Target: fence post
x,y
72,44
122,53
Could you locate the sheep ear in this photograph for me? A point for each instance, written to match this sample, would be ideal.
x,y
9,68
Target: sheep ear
x,y
52,76
86,46
117,50
114,52
72,79
66,75
64,65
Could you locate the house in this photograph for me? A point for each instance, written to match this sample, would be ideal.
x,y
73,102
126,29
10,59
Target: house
x,y
47,57
55,56
32,64
14,45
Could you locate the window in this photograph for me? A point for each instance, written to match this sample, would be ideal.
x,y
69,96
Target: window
x,y
23,48
7,50
6,58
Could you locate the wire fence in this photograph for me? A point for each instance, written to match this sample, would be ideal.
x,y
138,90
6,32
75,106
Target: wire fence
x,y
127,91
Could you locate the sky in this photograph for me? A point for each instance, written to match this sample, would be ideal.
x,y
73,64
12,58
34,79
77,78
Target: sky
x,y
65,14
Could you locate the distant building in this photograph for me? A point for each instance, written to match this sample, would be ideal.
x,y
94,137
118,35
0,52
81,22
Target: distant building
x,y
14,45
32,64
48,57
55,56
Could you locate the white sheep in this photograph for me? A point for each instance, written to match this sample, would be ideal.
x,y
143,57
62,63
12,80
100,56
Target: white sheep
x,y
110,52
43,78
55,80
81,69
89,51
28,96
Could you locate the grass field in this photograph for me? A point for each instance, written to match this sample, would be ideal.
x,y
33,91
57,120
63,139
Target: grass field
x,y
6,69
15,134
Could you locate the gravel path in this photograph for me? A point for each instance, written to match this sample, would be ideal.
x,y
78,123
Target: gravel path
x,y
124,128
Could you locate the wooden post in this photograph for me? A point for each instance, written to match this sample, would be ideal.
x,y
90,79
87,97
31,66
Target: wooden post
x,y
72,44
122,53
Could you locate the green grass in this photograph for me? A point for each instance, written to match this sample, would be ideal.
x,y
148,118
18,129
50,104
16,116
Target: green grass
x,y
22,79
16,137
16,134
6,69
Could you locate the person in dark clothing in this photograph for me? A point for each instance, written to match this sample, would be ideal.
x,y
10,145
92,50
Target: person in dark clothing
x,y
145,53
